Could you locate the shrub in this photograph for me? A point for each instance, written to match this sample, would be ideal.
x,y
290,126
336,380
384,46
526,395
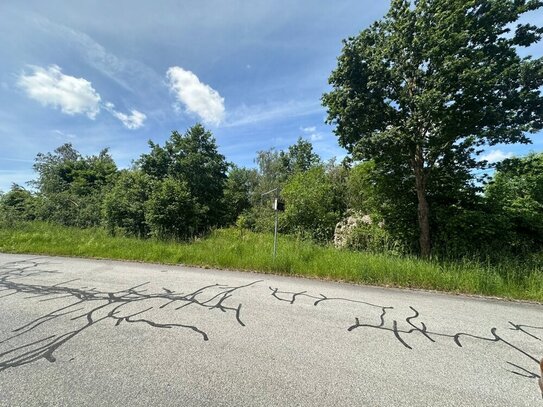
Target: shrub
x,y
309,203
171,211
123,208
17,205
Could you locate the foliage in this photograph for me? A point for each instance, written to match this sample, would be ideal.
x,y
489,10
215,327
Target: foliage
x,y
362,194
506,222
261,218
123,208
300,157
422,90
238,191
516,191
89,191
309,204
338,175
192,158
389,196
476,232
371,237
171,211
18,204
66,170
272,173
275,167
71,187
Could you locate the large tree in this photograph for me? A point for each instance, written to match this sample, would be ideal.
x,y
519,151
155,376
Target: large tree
x,y
192,158
300,157
423,90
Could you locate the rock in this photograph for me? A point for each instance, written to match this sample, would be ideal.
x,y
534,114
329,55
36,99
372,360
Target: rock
x,y
344,228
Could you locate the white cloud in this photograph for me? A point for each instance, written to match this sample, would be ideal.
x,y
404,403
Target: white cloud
x,y
133,121
316,137
51,87
197,97
312,133
71,95
495,156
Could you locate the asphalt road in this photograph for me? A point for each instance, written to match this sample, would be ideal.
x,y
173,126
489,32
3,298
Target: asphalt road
x,y
86,332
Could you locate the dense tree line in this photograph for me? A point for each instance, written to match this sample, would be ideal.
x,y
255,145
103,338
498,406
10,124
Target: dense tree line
x,y
185,188
416,99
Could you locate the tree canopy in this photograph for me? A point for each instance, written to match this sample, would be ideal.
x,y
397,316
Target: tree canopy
x,y
424,89
194,159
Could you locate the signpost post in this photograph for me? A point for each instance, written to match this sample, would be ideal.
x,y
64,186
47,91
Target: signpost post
x,y
277,206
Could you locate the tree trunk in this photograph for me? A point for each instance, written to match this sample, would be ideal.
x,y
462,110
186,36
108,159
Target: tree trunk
x,y
423,208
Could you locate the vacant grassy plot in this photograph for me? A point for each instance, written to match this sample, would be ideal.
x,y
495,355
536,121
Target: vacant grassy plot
x,y
228,248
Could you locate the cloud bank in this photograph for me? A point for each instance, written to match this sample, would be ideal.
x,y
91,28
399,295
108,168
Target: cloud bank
x,y
198,98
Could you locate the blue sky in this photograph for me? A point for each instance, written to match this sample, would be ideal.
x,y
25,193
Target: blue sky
x,y
116,74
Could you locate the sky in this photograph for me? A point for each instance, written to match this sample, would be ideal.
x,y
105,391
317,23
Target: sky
x,y
118,73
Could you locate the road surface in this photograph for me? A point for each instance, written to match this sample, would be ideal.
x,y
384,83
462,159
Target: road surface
x,y
77,332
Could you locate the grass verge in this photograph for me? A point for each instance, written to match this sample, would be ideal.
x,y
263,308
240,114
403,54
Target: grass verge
x,y
228,248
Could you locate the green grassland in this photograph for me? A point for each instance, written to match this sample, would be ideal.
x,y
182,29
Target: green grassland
x,y
244,250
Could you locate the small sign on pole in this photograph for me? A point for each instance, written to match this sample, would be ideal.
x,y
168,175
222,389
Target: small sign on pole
x,y
278,205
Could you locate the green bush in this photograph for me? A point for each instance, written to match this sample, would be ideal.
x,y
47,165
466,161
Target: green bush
x,y
17,204
372,238
516,191
309,201
475,232
171,211
123,208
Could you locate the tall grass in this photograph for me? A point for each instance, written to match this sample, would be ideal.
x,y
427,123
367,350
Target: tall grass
x,y
230,248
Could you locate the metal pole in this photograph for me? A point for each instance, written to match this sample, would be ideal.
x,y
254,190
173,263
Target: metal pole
x,y
275,235
276,190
